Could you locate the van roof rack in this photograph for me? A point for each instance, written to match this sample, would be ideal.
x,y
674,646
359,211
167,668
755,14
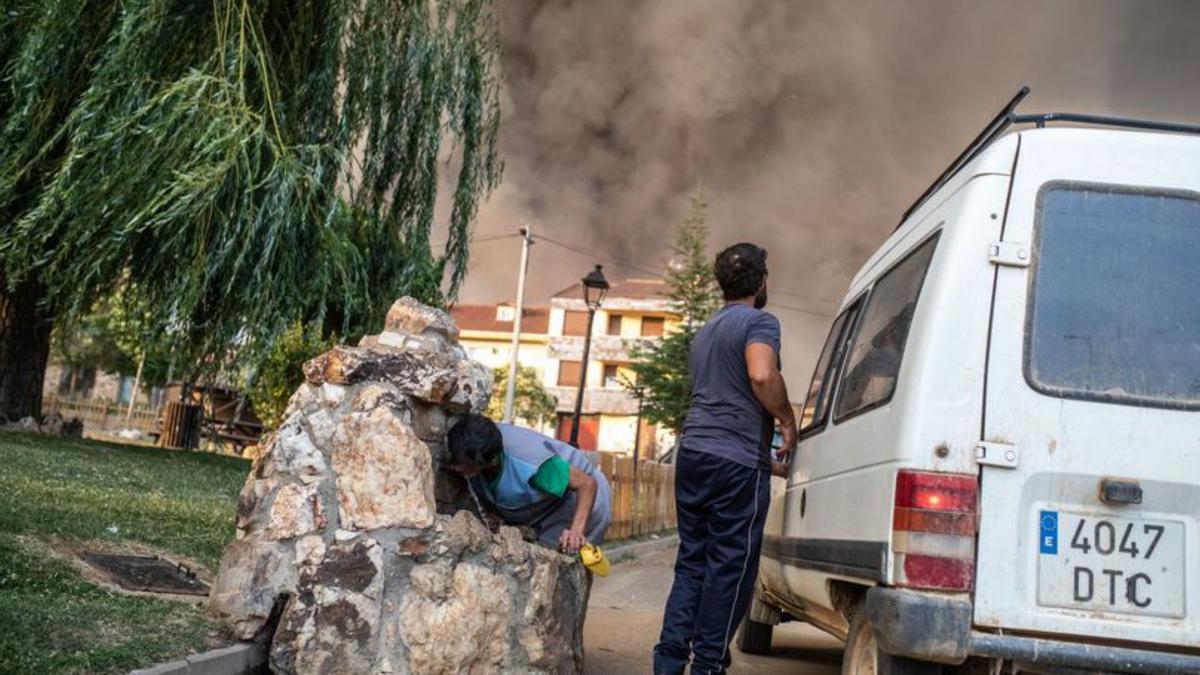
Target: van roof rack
x,y
1008,117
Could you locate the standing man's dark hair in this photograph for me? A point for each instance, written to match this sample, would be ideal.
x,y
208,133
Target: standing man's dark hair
x,y
723,467
741,270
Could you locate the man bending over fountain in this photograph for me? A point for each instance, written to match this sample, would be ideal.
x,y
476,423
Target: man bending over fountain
x,y
530,479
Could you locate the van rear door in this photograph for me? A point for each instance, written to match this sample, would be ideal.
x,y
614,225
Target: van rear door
x,y
1090,460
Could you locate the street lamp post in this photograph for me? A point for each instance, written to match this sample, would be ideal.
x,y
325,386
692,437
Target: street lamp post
x,y
595,287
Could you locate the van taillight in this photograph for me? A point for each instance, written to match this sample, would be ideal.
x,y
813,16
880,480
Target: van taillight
x,y
933,530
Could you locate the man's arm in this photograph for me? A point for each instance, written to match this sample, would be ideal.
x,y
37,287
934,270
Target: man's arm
x,y
762,365
584,486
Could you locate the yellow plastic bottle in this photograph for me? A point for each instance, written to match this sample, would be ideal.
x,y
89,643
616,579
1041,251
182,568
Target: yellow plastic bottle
x,y
593,559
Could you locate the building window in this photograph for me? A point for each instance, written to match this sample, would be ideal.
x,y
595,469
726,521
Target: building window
x,y
569,373
614,324
612,379
575,323
652,326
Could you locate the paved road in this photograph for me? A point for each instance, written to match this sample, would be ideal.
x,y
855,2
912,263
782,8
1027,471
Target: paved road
x,y
625,614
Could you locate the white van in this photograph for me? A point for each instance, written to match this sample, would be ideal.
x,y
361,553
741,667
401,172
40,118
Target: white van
x,y
999,460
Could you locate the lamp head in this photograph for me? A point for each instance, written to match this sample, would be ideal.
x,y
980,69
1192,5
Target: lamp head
x,y
595,288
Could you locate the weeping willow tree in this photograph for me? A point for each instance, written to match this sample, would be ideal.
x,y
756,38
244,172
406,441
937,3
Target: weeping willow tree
x,y
235,165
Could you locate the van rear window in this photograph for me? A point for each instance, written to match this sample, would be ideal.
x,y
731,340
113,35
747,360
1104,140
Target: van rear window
x,y
1115,313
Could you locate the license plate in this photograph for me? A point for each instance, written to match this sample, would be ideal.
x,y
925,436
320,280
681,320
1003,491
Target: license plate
x,y
1122,565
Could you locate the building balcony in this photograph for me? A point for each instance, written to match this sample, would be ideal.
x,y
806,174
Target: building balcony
x,y
596,400
604,347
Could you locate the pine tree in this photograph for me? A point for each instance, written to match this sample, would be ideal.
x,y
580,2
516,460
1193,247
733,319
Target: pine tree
x,y
690,276
661,380
242,165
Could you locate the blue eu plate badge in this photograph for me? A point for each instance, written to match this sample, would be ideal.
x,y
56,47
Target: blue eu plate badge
x,y
1048,536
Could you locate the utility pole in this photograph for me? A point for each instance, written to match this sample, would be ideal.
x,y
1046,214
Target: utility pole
x,y
511,391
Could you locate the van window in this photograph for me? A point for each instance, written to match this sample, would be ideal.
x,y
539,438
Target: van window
x,y
816,404
1114,312
869,377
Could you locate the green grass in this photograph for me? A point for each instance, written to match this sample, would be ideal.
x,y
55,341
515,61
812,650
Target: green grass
x,y
72,490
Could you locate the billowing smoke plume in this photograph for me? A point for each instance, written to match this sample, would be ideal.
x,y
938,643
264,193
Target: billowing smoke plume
x,y
810,125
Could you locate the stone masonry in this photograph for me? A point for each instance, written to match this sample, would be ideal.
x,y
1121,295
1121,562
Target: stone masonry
x,y
351,533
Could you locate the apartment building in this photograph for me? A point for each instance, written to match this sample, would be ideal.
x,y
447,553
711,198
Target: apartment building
x,y
636,310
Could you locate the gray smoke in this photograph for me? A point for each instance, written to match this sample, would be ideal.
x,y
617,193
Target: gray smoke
x,y
810,125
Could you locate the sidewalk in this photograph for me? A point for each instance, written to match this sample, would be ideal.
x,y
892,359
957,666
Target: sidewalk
x,y
631,549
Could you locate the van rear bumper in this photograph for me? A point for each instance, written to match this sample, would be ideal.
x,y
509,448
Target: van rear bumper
x,y
1074,655
935,627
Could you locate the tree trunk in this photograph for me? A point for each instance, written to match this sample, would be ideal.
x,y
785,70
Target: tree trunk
x,y
24,348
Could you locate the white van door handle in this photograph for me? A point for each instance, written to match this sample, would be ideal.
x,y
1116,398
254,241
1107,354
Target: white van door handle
x,y
1009,254
1003,455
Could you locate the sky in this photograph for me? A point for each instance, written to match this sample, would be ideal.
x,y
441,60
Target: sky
x,y
809,125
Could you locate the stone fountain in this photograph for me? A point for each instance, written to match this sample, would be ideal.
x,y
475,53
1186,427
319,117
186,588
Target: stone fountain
x,y
357,552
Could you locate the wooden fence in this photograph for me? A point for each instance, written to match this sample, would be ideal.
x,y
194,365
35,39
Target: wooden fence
x,y
103,415
643,503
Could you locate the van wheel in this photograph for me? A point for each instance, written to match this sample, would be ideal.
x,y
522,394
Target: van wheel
x,y
754,637
863,657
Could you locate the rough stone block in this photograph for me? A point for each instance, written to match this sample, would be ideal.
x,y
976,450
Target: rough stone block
x,y
254,572
385,473
252,507
430,422
407,316
294,451
430,375
296,510
333,623
463,626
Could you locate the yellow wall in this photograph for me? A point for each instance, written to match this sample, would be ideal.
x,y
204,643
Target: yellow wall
x,y
631,326
493,351
625,373
595,374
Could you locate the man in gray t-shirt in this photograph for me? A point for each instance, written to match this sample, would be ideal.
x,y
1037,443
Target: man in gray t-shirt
x,y
723,468
725,418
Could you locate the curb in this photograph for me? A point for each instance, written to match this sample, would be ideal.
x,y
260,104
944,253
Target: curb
x,y
617,554
240,659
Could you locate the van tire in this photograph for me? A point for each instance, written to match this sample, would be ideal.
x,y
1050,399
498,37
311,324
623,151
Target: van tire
x,y
754,637
862,654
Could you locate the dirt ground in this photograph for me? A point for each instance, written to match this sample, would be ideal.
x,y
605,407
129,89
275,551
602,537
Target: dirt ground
x,y
625,615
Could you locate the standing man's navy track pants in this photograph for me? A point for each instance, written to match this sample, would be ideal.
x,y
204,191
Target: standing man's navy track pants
x,y
721,507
